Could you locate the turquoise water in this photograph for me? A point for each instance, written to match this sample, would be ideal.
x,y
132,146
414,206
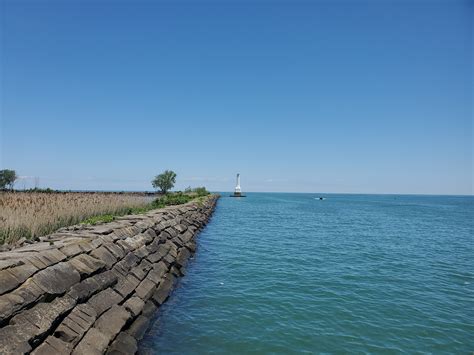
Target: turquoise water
x,y
286,273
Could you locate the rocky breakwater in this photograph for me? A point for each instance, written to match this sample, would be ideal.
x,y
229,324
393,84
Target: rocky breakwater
x,y
93,289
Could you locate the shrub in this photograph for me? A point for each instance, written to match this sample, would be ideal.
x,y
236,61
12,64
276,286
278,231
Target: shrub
x,y
172,199
201,191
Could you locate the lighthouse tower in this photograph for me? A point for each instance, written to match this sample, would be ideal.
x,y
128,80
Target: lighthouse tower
x,y
237,191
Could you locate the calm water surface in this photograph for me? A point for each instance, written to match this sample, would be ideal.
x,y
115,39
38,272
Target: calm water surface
x,y
287,273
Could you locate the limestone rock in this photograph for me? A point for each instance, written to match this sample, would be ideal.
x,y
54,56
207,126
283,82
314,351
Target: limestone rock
x,y
183,256
71,249
115,250
149,309
57,279
127,285
91,285
123,344
51,346
124,265
159,270
134,305
163,290
43,315
13,339
86,264
139,327
145,289
76,324
7,281
141,270
112,321
21,297
104,255
104,300
93,343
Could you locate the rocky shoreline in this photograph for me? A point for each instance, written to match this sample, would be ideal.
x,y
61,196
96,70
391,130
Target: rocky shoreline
x,y
94,289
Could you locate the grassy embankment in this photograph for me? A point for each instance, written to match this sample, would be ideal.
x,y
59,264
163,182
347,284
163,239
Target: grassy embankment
x,y
34,214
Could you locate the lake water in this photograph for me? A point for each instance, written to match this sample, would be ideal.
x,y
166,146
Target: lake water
x,y
289,273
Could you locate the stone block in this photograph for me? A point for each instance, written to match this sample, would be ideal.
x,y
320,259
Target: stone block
x,y
123,344
126,232
86,264
43,315
46,258
7,281
138,241
51,346
163,290
8,263
104,255
93,343
151,233
183,256
103,229
127,285
76,324
172,233
159,254
180,228
191,246
173,250
141,252
187,236
141,270
139,327
13,339
83,290
104,300
112,321
134,305
72,249
169,259
57,279
158,271
145,289
144,224
115,250
153,246
125,265
26,294
23,272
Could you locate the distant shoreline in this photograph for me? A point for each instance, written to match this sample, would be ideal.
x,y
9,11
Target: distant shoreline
x,y
153,193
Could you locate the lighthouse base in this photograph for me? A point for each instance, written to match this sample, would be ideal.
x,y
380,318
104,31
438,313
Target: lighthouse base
x,y
237,194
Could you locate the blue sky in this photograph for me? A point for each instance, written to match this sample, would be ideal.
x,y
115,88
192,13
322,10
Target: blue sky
x,y
320,96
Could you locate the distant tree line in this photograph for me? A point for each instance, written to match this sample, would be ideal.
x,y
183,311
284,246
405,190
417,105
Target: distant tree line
x,y
164,182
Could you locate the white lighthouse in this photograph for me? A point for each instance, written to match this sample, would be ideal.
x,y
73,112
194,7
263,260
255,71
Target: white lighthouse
x,y
237,191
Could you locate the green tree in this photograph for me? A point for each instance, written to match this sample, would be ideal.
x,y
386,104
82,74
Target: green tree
x,y
7,178
165,181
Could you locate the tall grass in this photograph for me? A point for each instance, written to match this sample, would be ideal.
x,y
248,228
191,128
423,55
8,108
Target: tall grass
x,y
33,214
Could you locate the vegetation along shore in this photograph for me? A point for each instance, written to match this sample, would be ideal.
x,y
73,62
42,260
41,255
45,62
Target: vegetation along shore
x,y
27,215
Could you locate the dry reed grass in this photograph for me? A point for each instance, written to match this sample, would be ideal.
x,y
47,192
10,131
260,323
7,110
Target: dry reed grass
x,y
32,215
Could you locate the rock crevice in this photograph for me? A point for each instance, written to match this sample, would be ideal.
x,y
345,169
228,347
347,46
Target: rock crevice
x,y
94,289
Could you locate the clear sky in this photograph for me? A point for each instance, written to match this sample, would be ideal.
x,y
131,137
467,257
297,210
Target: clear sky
x,y
320,96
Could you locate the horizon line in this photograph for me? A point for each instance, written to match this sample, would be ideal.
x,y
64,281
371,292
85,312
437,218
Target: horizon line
x,y
273,192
